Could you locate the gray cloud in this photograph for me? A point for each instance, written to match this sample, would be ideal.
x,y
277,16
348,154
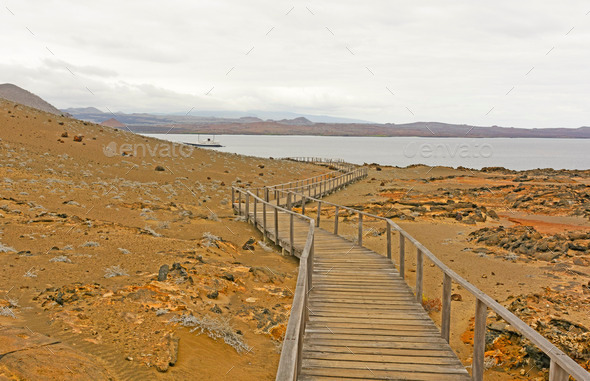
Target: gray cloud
x,y
450,61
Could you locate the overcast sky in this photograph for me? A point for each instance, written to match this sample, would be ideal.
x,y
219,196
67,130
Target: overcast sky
x,y
381,60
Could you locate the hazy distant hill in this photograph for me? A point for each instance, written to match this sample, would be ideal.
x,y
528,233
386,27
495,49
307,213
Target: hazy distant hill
x,y
92,114
250,125
14,93
420,129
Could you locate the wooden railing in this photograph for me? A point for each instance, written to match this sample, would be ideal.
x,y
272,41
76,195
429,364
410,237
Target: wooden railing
x,y
315,160
242,199
338,165
290,362
561,367
298,192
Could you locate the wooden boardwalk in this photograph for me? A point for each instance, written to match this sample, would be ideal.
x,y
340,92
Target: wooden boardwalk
x,y
353,316
364,321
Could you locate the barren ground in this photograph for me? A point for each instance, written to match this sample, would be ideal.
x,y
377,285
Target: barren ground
x,y
112,269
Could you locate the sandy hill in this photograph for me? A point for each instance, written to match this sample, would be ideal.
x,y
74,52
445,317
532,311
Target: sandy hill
x,y
16,94
112,123
119,244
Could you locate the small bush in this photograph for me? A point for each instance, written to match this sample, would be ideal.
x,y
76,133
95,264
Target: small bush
x,y
61,258
215,328
114,271
210,240
31,273
90,244
6,249
151,231
7,312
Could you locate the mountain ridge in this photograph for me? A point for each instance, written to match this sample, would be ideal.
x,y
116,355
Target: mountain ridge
x,y
19,95
249,125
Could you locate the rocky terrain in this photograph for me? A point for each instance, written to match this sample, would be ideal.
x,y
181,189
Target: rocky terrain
x,y
120,256
527,241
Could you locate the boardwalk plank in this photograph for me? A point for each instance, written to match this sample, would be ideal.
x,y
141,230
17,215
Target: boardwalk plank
x,y
364,321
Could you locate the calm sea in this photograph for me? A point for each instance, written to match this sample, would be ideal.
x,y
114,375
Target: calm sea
x,y
515,154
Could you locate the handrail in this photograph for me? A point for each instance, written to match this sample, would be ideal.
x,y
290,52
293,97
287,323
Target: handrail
x,y
561,367
290,361
340,165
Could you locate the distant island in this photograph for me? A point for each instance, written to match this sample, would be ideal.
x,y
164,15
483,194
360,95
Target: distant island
x,y
251,125
233,122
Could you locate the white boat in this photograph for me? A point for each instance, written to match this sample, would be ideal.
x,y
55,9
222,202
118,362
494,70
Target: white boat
x,y
206,143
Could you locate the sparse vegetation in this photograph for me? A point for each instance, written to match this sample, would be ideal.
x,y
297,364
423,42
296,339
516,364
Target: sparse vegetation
x,y
90,244
6,249
210,240
7,312
216,328
61,258
114,271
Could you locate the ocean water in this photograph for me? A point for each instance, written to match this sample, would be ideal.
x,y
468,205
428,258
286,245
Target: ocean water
x,y
517,154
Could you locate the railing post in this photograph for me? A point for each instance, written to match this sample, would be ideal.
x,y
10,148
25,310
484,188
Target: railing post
x,y
402,255
336,221
388,232
277,197
264,220
556,373
479,341
233,197
419,275
257,192
445,329
291,234
247,207
240,203
266,196
289,201
317,224
360,238
276,225
255,214
303,202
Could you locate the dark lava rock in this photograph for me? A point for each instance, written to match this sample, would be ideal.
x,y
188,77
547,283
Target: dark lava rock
x,y
213,295
163,273
492,213
179,270
59,298
216,309
159,168
228,276
249,245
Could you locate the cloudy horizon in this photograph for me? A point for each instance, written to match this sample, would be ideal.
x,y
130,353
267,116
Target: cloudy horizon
x,y
510,64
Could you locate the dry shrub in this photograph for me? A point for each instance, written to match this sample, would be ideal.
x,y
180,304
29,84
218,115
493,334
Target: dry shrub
x,y
431,305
